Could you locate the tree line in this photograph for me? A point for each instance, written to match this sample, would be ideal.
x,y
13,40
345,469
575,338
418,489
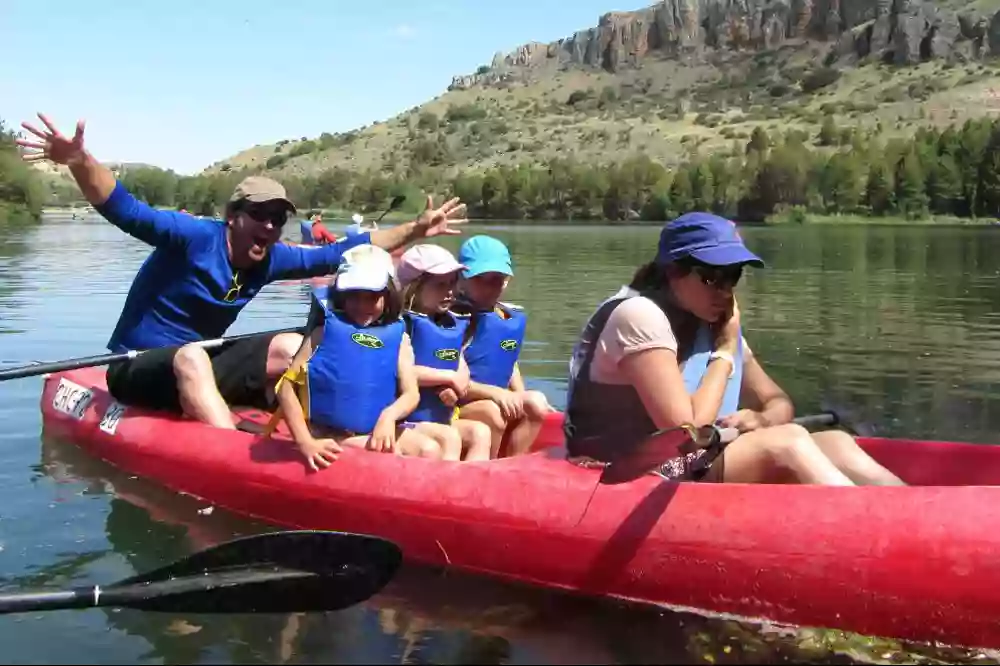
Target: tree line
x,y
22,191
950,172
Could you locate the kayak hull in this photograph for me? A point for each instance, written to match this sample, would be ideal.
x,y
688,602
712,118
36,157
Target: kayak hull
x,y
915,563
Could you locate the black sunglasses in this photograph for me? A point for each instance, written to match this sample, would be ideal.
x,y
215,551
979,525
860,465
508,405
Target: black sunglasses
x,y
276,215
719,278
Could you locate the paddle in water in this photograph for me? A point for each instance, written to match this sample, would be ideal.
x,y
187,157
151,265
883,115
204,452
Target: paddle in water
x,y
36,369
649,454
279,572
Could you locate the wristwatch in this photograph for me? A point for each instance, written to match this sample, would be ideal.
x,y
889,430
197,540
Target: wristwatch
x,y
724,355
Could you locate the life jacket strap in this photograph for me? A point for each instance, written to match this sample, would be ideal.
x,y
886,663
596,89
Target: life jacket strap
x,y
300,379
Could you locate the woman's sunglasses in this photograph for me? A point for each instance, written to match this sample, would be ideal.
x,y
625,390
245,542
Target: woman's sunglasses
x,y
718,278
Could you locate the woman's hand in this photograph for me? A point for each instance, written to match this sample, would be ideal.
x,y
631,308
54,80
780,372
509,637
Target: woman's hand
x,y
745,420
727,335
383,437
319,452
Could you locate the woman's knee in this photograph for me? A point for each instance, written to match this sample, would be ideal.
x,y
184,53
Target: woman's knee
x,y
191,363
834,441
785,442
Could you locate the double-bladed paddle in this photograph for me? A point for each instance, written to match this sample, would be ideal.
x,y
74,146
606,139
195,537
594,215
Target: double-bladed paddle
x,y
104,359
396,202
279,572
649,454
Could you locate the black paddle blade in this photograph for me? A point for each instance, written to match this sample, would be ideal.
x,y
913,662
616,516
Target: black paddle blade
x,y
649,454
279,572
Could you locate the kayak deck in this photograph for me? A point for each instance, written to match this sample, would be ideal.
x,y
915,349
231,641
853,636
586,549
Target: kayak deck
x,y
914,562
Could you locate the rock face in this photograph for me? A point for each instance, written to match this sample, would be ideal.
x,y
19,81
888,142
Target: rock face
x,y
898,31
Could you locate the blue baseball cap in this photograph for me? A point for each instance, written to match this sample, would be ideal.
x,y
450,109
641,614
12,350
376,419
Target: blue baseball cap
x,y
484,254
707,238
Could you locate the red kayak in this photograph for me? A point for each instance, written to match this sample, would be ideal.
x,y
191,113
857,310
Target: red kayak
x,y
915,562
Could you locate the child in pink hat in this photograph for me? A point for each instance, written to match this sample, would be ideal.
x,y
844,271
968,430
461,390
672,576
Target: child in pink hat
x,y
428,275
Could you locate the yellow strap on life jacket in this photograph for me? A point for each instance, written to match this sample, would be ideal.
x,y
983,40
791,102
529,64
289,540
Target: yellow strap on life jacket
x,y
299,378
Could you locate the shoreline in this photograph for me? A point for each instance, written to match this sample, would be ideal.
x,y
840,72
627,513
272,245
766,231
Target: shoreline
x,y
10,211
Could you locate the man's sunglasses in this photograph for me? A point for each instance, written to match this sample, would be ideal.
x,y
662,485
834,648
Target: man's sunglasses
x,y
263,213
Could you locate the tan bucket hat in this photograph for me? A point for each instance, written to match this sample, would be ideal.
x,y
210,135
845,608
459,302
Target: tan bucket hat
x,y
260,189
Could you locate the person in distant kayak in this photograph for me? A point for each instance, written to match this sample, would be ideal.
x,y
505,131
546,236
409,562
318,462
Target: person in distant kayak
x,y
497,395
428,275
305,228
352,382
319,233
198,279
359,226
668,350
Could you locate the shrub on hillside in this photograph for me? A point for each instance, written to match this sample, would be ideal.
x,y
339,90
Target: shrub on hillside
x,y
820,78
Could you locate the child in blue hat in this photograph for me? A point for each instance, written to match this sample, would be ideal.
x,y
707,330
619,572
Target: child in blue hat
x,y
496,395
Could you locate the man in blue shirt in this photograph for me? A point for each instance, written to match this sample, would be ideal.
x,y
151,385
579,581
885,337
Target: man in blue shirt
x,y
199,277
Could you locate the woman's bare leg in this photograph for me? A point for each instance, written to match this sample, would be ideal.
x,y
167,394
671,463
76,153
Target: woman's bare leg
x,y
780,454
844,452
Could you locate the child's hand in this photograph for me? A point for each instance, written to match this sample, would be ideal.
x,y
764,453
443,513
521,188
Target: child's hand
x,y
320,452
511,404
383,437
459,383
448,396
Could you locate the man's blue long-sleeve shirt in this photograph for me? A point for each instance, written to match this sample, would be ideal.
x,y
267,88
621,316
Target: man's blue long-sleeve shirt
x,y
180,293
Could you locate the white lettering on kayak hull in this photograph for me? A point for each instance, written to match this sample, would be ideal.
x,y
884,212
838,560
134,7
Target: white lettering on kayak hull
x,y
71,399
112,415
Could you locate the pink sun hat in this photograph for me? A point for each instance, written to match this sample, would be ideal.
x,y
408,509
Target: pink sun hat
x,y
426,258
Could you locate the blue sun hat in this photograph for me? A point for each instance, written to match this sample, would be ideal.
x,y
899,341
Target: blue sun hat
x,y
484,254
708,238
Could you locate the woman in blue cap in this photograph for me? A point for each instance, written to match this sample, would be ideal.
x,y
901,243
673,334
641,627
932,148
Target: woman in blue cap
x,y
497,395
668,350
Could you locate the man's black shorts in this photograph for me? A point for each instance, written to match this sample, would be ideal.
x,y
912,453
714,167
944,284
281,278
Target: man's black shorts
x,y
240,373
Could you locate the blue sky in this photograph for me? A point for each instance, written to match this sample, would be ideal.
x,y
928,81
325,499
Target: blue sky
x,y
184,83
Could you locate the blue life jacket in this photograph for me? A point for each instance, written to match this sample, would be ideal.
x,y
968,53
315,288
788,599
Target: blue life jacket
x,y
696,366
353,375
435,346
306,226
496,345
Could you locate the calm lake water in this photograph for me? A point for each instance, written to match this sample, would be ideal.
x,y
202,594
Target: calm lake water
x,y
899,325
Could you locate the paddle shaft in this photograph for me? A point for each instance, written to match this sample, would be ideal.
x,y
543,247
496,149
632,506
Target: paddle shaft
x,y
393,205
727,435
105,359
136,594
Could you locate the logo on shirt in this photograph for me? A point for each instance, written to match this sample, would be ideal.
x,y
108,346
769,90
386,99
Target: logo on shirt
x,y
508,344
367,340
447,354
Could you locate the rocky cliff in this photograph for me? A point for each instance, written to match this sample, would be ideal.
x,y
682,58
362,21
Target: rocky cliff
x,y
898,31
